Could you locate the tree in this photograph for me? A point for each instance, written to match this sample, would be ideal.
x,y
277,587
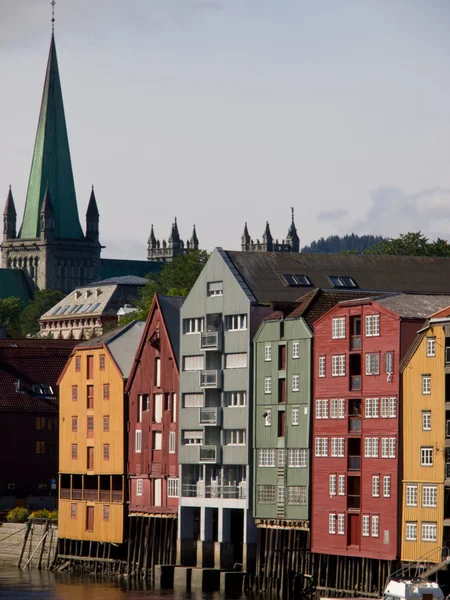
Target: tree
x,y
411,244
348,244
10,311
42,301
175,279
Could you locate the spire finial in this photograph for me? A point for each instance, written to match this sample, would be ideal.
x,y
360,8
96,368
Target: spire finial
x,y
53,15
292,211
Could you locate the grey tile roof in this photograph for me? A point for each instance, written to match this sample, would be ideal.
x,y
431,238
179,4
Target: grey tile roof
x,y
171,307
415,306
122,280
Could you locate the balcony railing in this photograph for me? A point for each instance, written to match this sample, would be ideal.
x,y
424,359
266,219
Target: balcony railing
x,y
210,379
210,415
209,454
355,382
354,463
447,355
192,490
211,340
64,494
354,425
91,495
355,342
353,502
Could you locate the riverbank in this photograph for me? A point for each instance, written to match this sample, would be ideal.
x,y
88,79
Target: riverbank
x,y
30,543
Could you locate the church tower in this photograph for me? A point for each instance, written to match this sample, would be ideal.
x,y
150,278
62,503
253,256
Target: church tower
x,y
268,244
50,244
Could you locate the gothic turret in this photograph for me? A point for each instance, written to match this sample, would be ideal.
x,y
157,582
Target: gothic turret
x,y
193,242
245,239
151,242
267,238
47,216
92,218
292,237
174,238
268,244
9,218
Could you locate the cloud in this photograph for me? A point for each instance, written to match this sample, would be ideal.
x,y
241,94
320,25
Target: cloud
x,y
392,211
332,215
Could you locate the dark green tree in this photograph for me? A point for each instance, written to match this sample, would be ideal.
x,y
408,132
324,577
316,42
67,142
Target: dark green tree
x,y
349,243
42,301
411,244
10,311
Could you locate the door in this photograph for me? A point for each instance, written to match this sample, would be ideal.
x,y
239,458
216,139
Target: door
x,y
90,458
282,358
90,367
157,492
353,535
90,518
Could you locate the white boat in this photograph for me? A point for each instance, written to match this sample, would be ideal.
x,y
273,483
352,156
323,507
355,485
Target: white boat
x,y
406,589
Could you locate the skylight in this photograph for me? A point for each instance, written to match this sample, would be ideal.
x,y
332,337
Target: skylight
x,y
342,281
65,309
95,307
296,280
57,309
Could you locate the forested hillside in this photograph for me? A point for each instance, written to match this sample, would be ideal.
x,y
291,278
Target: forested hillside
x,y
347,243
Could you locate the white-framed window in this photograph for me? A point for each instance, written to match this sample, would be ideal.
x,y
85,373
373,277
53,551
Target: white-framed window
x,y
332,523
237,360
341,485
139,487
372,325
375,486
372,363
393,408
321,409
389,362
341,409
173,487
193,400
193,325
295,350
371,447
266,457
268,353
138,441
385,408
235,437
193,363
411,531
267,385
338,328
431,346
341,524
214,288
295,414
411,494
297,495
388,447
321,446
267,417
266,494
332,485
322,365
365,525
387,486
372,408
157,440
337,447
281,455
338,365
426,420
333,409
295,383
428,532
280,494
426,456
193,437
429,496
158,408
297,457
426,384
235,399
172,442
375,525
236,322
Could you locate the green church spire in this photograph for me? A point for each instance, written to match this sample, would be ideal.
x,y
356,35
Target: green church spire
x,y
51,166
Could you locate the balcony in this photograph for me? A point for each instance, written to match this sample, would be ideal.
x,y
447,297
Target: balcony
x,y
211,340
354,425
354,463
447,355
447,471
355,382
237,492
209,454
355,342
91,495
210,416
353,502
210,379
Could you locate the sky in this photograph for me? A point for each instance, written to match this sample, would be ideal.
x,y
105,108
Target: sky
x,y
225,111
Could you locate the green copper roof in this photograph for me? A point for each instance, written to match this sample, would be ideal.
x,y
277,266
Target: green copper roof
x,y
51,164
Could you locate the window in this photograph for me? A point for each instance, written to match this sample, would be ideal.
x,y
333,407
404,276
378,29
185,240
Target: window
x,y
157,408
371,447
337,447
193,363
426,384
138,441
426,420
158,371
106,423
297,457
431,346
268,353
172,437
40,423
295,280
365,525
266,457
214,288
392,408
389,362
102,362
321,446
372,325
105,451
341,485
388,447
332,524
139,487
322,365
267,414
157,440
235,399
371,408
172,487
280,494
193,438
106,391
236,361
338,328
337,409
90,396
428,532
297,495
295,383
375,486
332,485
338,365
321,409
295,350
342,281
106,512
387,486
268,385
295,416
426,456
411,531
74,451
193,400
90,426
74,393
174,408
372,363
90,366
341,524
266,494
281,458
235,437
78,363
375,526
74,424
429,496
411,494
195,325
236,322
73,511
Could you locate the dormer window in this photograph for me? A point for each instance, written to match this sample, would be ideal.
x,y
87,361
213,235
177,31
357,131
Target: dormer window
x,y
77,294
97,293
342,281
296,280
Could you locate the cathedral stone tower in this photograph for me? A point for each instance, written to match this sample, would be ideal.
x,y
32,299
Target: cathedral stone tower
x,y
268,244
167,251
50,244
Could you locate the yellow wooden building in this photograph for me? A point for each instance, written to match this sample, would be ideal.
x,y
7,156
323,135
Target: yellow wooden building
x,y
426,437
92,479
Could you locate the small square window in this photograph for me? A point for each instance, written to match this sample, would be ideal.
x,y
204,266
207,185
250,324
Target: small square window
x,y
214,288
77,363
431,346
426,384
268,353
102,362
106,512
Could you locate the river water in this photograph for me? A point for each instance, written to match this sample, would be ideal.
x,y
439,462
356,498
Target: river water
x,y
16,584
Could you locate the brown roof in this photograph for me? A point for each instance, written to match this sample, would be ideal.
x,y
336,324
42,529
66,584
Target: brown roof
x,y
24,363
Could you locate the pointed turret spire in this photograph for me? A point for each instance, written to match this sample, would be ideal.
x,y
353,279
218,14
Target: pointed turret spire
x,y
245,238
9,217
152,238
174,238
10,208
193,244
292,237
51,165
92,218
267,238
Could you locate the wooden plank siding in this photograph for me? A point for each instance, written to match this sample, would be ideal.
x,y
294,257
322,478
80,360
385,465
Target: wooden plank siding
x,y
110,530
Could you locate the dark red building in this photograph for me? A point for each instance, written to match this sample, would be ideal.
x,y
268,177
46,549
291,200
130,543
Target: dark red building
x,y
29,370
358,346
153,392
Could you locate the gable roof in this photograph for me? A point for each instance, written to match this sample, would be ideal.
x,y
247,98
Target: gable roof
x,y
415,306
16,282
116,267
170,308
